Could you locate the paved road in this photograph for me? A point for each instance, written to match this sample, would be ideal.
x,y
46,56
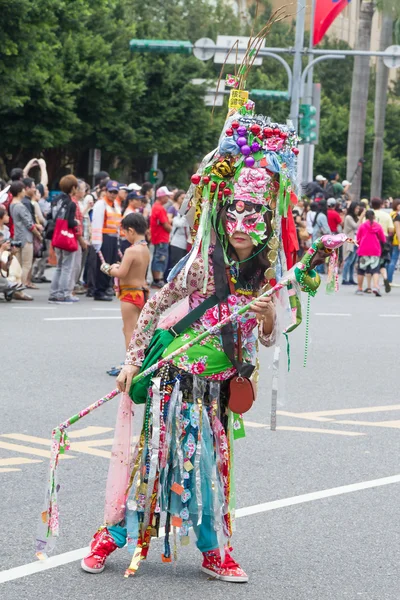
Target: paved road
x,y
338,431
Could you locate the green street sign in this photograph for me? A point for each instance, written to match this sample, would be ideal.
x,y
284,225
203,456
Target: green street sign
x,y
161,46
273,94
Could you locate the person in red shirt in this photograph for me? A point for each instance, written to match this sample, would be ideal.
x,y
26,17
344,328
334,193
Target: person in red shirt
x,y
160,228
334,219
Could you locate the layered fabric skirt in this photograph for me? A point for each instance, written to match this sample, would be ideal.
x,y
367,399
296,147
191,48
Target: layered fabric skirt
x,y
182,467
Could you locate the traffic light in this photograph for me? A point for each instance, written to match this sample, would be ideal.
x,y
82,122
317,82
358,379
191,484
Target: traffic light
x,y
161,46
308,123
153,176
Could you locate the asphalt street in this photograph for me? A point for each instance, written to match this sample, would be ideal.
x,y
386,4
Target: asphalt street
x,y
338,427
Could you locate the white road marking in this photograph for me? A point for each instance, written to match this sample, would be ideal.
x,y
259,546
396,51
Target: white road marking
x,y
333,314
389,315
33,307
74,555
80,318
113,309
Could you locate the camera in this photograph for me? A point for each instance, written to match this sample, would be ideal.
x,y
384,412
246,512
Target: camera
x,y
15,244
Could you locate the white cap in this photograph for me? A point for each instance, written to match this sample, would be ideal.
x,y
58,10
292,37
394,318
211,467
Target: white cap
x,y
134,186
163,191
346,183
4,194
331,202
320,178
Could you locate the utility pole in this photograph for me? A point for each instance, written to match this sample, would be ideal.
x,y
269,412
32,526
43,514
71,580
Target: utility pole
x,y
308,151
297,65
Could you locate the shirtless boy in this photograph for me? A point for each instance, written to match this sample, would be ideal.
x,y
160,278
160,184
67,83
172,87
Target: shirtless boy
x,y
131,272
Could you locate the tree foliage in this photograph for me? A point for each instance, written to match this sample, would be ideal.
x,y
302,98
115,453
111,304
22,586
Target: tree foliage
x,y
70,83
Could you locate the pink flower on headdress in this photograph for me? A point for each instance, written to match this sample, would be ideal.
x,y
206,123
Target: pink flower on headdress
x,y
275,144
252,181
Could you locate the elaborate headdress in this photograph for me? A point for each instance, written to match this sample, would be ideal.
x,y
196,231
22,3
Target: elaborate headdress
x,y
255,161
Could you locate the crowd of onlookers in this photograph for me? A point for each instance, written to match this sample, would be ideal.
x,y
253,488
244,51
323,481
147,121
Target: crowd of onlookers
x,y
77,230
327,206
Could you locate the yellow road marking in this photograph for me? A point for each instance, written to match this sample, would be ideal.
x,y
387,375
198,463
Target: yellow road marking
x,y
8,470
350,411
315,430
17,461
88,431
85,447
28,450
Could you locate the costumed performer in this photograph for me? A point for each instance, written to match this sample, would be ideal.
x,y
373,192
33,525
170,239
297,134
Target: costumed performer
x,y
239,204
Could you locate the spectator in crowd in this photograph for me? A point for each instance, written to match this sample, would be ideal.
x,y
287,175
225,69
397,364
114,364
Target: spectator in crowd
x,y
346,192
334,218
320,226
180,233
24,230
45,205
316,188
4,220
310,217
30,192
160,228
7,253
133,203
352,222
334,188
61,286
147,193
303,237
370,236
173,210
382,217
395,215
80,254
105,232
131,273
40,250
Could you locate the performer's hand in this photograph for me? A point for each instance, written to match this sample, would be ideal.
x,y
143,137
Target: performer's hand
x,y
124,379
263,307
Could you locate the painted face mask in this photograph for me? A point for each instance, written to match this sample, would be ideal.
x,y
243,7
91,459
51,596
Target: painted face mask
x,y
247,218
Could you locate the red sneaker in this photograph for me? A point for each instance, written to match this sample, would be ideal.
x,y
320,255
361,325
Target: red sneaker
x,y
100,548
229,570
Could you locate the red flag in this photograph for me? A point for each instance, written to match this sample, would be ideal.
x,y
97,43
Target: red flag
x,y
326,12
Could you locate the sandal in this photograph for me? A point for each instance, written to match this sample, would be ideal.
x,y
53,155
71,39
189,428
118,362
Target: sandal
x,y
22,296
367,291
31,286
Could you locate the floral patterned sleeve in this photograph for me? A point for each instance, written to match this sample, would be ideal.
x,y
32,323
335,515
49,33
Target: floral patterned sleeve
x,y
170,294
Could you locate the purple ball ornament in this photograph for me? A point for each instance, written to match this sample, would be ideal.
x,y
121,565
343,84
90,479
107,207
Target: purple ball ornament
x,y
249,161
241,141
246,150
242,130
255,147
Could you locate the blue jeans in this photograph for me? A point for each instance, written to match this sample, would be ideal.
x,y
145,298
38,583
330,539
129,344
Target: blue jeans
x,y
393,262
348,268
